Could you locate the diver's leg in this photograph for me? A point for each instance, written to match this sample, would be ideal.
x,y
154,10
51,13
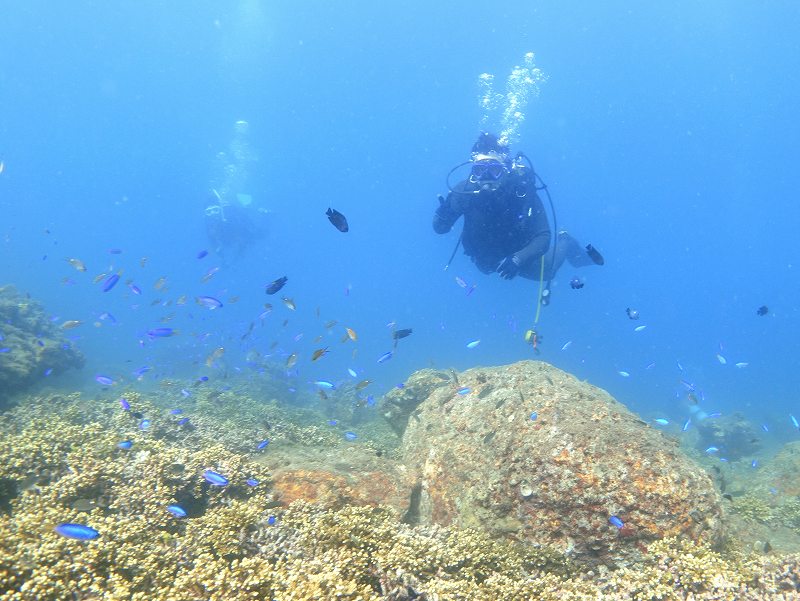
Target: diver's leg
x,y
553,259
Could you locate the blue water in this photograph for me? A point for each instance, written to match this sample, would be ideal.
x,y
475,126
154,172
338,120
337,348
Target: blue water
x,y
668,136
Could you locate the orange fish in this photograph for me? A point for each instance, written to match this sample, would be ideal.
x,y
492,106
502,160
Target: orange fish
x,y
351,334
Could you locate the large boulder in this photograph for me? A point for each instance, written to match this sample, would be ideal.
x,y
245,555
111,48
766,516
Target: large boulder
x,y
527,451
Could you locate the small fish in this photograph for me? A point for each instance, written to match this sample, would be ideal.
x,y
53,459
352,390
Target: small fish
x,y
762,310
160,283
111,282
464,390
712,450
661,421
742,364
77,264
161,332
566,345
351,436
624,373
144,424
177,511
616,522
398,334
2,167
639,328
209,274
181,300
216,354
291,360
99,277
330,324
765,427
632,313
351,334
134,288
271,520
175,411
794,421
721,359
125,444
289,303
686,425
276,285
202,254
262,445
754,463
141,371
320,352
385,357
76,531
534,416
352,372
324,384
332,422
251,482
338,220
209,302
473,343
72,323
183,421
126,406
104,380
215,478
363,384
650,365
714,415
679,366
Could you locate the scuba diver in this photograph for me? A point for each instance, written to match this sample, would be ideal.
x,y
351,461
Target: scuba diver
x,y
506,229
231,227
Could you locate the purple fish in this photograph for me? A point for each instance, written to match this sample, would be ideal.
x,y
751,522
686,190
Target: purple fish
x,y
115,251
209,302
111,282
202,253
104,380
126,406
134,288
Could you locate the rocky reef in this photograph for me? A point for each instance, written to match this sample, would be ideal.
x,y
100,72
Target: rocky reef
x,y
31,346
379,528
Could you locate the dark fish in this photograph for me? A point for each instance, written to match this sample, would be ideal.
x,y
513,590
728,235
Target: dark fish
x,y
762,310
161,332
111,282
338,220
276,285
632,313
202,253
576,283
594,255
398,334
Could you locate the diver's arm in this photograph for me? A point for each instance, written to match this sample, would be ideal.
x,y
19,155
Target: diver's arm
x,y
540,232
445,215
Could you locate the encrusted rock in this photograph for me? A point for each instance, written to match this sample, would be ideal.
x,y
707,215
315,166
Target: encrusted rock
x,y
583,459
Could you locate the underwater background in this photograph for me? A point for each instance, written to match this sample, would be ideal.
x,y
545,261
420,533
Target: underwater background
x,y
667,135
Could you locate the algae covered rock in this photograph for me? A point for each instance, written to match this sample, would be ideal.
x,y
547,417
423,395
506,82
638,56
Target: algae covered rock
x,y
527,451
31,345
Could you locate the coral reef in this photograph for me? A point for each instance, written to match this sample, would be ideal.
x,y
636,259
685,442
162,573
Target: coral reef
x,y
31,345
527,451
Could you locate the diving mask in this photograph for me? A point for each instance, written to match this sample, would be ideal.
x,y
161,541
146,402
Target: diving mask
x,y
487,167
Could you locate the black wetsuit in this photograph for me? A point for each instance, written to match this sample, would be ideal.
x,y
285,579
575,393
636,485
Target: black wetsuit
x,y
498,223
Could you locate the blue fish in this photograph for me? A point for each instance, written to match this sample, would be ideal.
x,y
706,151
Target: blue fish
x,y
125,444
161,332
661,421
77,531
104,380
111,282
616,522
764,427
464,390
176,411
534,416
385,357
332,422
351,436
251,482
5,350
209,302
263,444
754,463
271,520
215,478
177,511
48,371
324,384
794,421
115,251
183,421
144,424
202,253
686,425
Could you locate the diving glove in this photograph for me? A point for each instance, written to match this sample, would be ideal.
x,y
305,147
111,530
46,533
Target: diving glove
x,y
509,267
